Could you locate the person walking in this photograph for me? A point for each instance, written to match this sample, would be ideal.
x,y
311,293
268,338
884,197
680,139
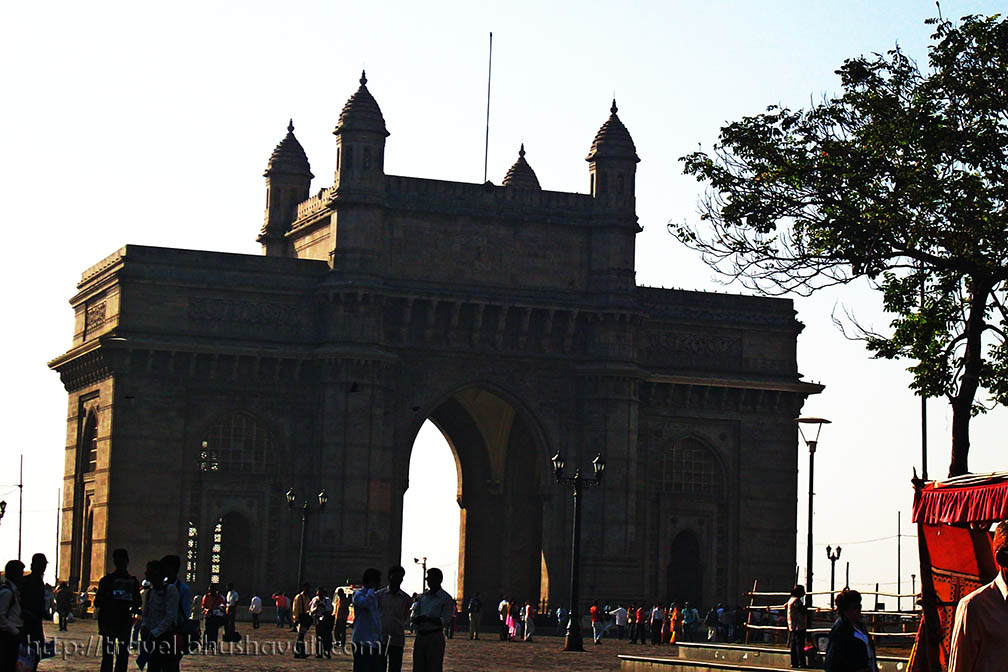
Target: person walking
x,y
394,608
212,606
431,614
159,618
657,620
980,630
341,610
117,600
503,610
474,608
528,616
320,608
283,610
302,620
596,622
189,632
850,647
255,608
368,655
10,614
797,625
620,619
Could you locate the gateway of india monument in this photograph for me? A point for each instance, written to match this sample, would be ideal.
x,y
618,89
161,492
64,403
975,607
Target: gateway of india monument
x,y
204,385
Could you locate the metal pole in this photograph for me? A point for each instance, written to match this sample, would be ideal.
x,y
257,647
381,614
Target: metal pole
x,y
808,555
574,641
832,581
847,577
486,147
56,561
20,504
924,458
899,564
304,525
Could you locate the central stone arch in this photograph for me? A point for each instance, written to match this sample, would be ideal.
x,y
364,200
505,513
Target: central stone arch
x,y
499,450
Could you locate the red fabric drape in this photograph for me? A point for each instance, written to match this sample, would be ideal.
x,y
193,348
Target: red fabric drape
x,y
960,505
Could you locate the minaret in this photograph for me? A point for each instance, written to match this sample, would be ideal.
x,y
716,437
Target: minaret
x,y
360,153
612,164
288,180
521,173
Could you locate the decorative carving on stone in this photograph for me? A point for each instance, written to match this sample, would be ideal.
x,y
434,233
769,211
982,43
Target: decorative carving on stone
x,y
243,312
95,317
685,349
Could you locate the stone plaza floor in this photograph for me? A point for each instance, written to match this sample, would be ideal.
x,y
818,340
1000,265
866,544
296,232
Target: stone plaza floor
x,y
79,649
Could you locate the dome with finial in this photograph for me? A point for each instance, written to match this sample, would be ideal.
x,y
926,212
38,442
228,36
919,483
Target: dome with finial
x,y
521,173
613,140
361,112
289,157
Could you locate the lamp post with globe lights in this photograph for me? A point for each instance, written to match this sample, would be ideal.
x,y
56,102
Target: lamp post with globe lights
x,y
574,641
305,508
832,557
817,423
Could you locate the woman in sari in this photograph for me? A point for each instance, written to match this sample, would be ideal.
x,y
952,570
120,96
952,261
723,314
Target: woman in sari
x,y
675,624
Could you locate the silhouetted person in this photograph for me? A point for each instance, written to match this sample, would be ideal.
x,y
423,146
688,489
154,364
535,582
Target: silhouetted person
x,y
394,607
64,604
33,604
474,608
431,613
10,614
117,600
321,611
213,616
302,620
367,645
797,625
341,609
171,564
160,616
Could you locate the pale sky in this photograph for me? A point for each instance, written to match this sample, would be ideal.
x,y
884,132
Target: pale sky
x,y
152,123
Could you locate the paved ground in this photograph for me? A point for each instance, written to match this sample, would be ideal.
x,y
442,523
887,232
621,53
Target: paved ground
x,y
78,649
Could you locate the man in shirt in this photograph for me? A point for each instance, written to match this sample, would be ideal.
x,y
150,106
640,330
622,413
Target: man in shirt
x,y
33,603
368,655
432,611
255,608
474,608
230,612
502,611
117,600
797,625
980,633
596,622
213,615
341,609
394,608
10,614
302,620
657,619
620,619
283,605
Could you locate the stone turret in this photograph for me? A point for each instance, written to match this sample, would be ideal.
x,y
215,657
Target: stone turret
x,y
360,153
612,164
521,173
288,181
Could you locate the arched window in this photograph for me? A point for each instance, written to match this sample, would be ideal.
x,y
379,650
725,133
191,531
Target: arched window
x,y
691,468
89,444
192,553
238,444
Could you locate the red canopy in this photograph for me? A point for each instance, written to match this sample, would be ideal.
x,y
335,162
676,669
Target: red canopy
x,y
975,498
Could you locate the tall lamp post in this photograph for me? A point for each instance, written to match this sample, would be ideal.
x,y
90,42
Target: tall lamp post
x,y
833,557
811,443
423,568
573,641
292,504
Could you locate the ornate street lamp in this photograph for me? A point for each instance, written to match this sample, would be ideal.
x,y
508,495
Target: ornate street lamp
x,y
832,572
423,572
323,498
811,443
3,508
573,641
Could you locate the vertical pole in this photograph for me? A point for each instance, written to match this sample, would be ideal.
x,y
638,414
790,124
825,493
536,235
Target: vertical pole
x,y
899,563
574,641
486,146
808,555
20,504
924,458
847,577
876,596
832,581
304,525
56,556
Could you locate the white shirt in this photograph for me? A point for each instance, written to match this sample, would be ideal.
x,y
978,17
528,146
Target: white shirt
x,y
657,615
621,616
232,598
255,607
500,609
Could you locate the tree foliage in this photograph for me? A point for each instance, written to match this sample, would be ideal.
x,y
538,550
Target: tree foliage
x,y
901,179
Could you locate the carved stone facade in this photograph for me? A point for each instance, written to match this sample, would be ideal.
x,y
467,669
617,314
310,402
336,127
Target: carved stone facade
x,y
202,385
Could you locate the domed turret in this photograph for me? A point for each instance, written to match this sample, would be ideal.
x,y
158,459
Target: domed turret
x,y
612,163
288,181
360,133
521,173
